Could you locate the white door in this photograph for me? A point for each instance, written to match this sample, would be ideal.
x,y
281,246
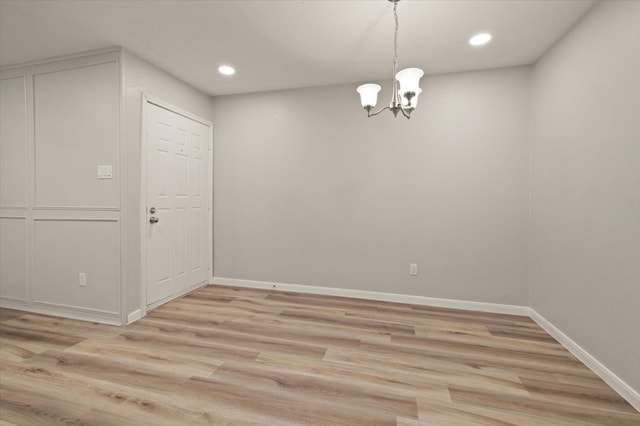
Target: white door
x,y
178,204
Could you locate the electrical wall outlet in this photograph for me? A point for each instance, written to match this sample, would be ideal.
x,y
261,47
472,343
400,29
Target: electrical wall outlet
x,y
82,279
413,269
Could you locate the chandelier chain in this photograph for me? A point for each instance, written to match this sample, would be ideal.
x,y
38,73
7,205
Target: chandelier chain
x,y
395,34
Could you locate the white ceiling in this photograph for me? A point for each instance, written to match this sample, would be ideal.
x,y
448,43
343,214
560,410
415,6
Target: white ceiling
x,y
277,44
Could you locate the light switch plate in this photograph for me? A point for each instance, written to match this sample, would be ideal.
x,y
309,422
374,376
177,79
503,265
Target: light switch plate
x,y
105,172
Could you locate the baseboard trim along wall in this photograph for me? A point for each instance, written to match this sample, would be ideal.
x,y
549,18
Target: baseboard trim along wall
x,y
63,311
625,391
374,295
134,316
592,363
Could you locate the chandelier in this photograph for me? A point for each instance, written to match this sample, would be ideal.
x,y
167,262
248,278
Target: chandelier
x,y
405,84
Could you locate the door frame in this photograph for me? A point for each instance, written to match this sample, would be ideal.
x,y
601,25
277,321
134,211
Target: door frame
x,y
146,101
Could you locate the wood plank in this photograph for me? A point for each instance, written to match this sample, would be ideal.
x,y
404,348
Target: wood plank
x,y
9,314
549,408
234,399
435,413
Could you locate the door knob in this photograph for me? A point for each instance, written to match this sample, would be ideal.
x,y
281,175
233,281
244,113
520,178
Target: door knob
x,y
153,219
152,210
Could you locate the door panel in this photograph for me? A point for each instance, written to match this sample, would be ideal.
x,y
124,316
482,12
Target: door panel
x,y
196,239
178,244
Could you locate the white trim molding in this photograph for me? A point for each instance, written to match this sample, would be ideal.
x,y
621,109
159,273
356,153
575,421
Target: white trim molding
x,y
134,316
375,295
620,386
55,59
71,312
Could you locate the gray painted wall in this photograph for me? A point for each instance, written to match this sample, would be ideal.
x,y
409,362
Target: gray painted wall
x,y
308,190
585,211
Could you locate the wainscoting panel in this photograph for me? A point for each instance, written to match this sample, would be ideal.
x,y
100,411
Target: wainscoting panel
x,y
61,251
76,130
13,258
67,248
13,146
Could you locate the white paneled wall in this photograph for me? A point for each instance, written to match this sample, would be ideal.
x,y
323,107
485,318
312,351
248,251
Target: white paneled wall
x,y
93,252
76,129
13,189
61,249
60,120
13,149
13,258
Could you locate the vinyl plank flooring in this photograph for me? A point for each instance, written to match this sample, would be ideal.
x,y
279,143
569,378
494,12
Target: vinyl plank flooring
x,y
234,398
435,413
337,330
435,371
44,323
9,314
256,342
233,356
550,408
59,386
381,378
24,407
45,337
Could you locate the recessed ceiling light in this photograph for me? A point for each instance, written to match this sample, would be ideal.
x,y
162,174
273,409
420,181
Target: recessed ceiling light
x,y
480,39
226,70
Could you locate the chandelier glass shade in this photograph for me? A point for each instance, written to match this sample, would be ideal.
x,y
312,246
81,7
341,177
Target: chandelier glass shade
x,y
368,94
406,84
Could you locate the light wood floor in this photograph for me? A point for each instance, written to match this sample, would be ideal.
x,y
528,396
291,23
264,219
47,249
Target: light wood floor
x,y
239,356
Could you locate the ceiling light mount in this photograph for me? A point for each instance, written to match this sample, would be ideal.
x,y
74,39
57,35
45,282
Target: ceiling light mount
x,y
480,39
226,70
405,84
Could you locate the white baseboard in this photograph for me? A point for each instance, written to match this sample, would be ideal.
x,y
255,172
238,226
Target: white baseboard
x,y
62,311
374,295
625,391
134,316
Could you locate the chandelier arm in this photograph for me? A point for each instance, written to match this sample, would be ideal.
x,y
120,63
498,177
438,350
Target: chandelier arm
x,y
370,114
408,116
